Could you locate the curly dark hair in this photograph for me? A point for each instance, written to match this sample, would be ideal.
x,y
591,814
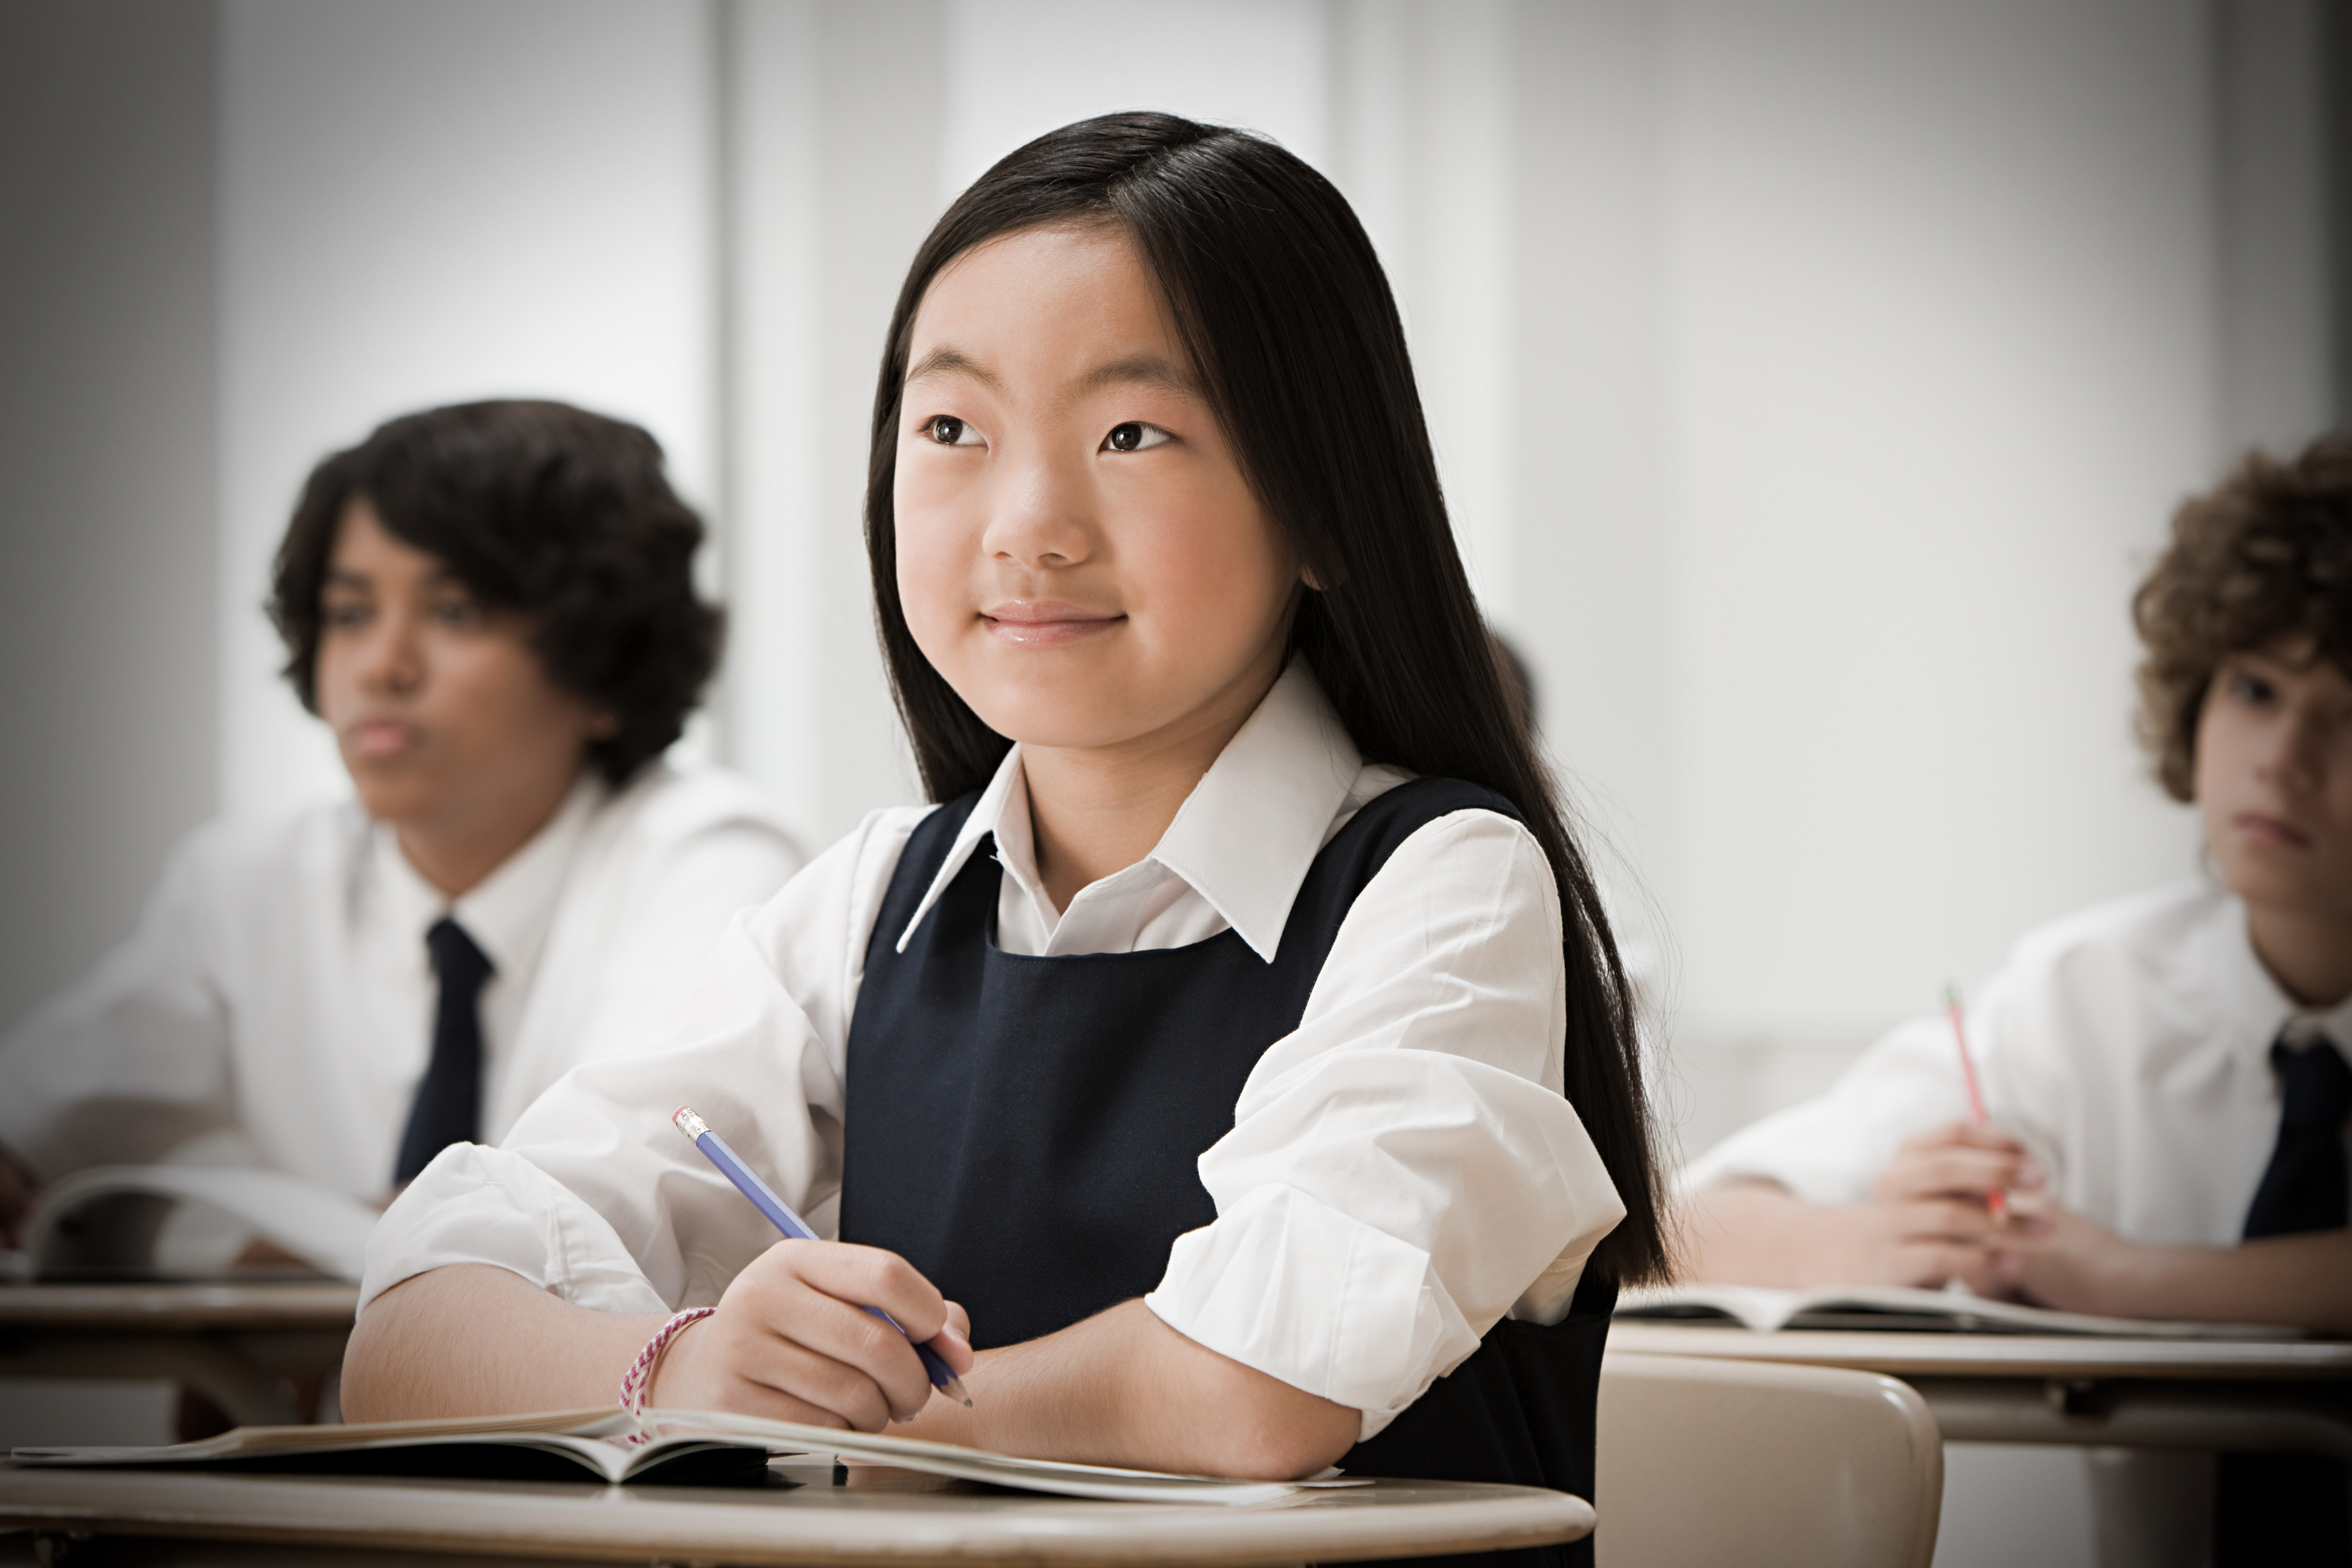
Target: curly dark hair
x,y
2266,556
560,514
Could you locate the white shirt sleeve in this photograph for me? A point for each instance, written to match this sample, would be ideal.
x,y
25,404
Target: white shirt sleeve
x,y
595,1197
134,1060
1404,1170
1829,1149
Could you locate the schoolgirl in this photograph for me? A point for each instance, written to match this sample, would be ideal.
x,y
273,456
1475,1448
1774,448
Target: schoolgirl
x,y
1233,1072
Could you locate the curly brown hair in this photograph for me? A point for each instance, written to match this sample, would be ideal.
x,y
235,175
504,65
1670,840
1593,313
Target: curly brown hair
x,y
564,515
2264,557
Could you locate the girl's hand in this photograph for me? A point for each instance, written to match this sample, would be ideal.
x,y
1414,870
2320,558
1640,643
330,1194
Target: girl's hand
x,y
791,1341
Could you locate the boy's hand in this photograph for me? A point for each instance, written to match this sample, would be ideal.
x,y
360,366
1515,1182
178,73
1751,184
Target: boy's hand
x,y
791,1341
1928,1222
2053,1256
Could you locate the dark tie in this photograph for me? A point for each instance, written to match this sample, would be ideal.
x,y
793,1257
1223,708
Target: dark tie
x,y
2288,1509
449,1108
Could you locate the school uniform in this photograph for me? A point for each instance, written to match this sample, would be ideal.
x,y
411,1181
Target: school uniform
x,y
279,1004
1294,1079
2140,1051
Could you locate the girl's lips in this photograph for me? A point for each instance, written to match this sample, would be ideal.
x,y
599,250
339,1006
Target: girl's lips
x,y
1043,623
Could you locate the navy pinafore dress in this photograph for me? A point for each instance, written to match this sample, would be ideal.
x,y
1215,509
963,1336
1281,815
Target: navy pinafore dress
x,y
1024,1130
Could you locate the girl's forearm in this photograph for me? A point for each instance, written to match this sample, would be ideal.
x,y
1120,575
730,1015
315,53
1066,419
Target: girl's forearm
x,y
1119,1388
1124,1388
472,1340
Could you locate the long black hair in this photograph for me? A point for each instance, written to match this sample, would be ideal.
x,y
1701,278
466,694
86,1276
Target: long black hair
x,y
1281,303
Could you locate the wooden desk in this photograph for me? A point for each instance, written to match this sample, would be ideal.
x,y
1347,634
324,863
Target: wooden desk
x,y
236,1344
2017,1388
906,1520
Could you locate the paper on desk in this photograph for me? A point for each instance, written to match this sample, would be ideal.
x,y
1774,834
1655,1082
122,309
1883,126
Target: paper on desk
x,y
1893,1307
609,1442
1103,1482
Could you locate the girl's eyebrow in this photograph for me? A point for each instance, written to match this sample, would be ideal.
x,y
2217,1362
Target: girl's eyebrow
x,y
1143,370
954,362
1134,369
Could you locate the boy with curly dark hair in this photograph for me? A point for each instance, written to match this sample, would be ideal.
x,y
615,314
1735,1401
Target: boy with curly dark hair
x,y
491,606
2167,1075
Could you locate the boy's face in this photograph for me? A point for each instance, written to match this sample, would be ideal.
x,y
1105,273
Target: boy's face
x,y
444,715
2275,781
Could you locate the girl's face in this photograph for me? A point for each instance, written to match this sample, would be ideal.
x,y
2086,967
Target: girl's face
x,y
1080,555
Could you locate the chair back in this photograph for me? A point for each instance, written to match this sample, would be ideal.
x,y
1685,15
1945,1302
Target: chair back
x,y
1706,1461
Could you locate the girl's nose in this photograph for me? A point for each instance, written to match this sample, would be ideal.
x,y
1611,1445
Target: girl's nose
x,y
1042,517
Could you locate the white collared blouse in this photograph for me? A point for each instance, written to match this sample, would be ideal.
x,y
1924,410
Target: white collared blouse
x,y
1403,1171
275,1006
2127,1047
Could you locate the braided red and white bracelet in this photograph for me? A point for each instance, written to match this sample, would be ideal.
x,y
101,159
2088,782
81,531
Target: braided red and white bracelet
x,y
640,1375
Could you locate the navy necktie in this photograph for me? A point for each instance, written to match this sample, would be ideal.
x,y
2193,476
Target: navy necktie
x,y
2281,1511
2307,1187
448,1107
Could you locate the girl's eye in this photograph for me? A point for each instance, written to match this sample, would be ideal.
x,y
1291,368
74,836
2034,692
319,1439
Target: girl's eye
x,y
463,613
1134,436
949,431
344,616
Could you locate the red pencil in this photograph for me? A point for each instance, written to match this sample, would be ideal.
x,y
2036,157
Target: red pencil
x,y
1996,1202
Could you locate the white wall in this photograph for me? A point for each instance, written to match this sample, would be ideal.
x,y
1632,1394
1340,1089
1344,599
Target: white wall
x,y
432,202
107,373
1810,379
1943,359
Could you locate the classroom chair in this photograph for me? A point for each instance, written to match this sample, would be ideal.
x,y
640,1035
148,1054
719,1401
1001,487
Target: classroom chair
x,y
1705,1462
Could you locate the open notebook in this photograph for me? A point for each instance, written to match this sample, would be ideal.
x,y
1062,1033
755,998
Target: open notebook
x,y
663,1444
105,1223
1892,1307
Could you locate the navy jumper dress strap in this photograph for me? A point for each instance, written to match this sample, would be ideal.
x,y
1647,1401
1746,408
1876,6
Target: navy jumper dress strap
x,y
1025,1131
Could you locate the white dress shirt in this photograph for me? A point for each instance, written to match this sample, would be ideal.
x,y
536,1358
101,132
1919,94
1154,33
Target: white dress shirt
x,y
1403,1170
2127,1047
276,1006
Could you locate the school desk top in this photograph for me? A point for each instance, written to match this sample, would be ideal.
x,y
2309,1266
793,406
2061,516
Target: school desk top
x,y
241,1307
2076,1391
1986,1355
232,1343
902,1521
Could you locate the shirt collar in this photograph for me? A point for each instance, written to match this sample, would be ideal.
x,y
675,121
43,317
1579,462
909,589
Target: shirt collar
x,y
507,912
1245,836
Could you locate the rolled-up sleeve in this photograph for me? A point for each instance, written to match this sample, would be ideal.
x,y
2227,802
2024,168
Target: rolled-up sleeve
x,y
595,1197
1404,1170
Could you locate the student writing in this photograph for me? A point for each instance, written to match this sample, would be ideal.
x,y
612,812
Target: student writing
x,y
492,607
2167,1075
1239,1049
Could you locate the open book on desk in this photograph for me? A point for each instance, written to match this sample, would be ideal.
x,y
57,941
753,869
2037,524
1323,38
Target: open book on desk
x,y
104,1223
1893,1308
661,1445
